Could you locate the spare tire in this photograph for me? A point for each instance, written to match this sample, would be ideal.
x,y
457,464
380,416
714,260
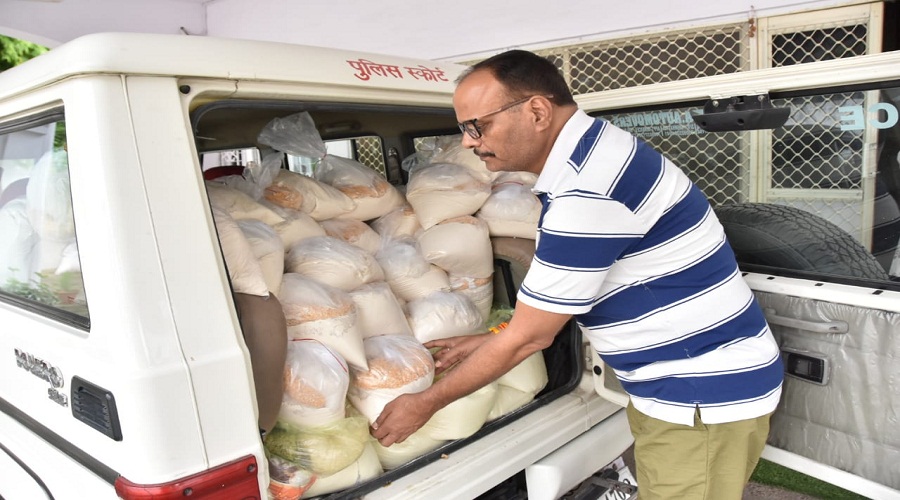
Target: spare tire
x,y
791,238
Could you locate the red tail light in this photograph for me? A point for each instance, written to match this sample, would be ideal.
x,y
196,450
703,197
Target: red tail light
x,y
232,481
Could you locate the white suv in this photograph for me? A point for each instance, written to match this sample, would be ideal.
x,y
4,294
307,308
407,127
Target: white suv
x,y
126,370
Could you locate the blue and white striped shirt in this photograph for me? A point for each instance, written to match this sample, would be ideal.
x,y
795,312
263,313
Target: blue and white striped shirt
x,y
631,248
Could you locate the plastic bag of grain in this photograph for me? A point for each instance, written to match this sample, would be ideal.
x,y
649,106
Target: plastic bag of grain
x,y
333,262
479,290
508,400
256,176
287,480
316,379
373,194
355,232
239,205
461,246
296,226
465,416
314,310
441,191
310,196
366,467
512,210
398,364
397,223
440,315
322,450
378,312
407,272
243,268
450,150
268,249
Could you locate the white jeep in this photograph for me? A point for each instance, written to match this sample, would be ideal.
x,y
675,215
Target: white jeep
x,y
128,372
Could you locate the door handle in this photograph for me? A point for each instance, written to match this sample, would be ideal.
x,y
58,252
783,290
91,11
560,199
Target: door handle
x,y
802,324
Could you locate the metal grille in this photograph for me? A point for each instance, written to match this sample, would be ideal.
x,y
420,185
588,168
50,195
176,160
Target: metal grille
x,y
653,58
370,153
716,163
821,44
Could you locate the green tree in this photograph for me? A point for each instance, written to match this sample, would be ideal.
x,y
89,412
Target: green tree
x,y
14,51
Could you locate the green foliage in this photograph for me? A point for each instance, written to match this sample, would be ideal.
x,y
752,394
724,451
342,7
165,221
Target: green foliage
x,y
14,51
775,475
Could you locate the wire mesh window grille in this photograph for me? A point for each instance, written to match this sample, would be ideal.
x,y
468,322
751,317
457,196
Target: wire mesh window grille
x,y
821,44
370,153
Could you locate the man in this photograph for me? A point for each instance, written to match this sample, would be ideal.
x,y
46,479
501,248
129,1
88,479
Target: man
x,y
631,248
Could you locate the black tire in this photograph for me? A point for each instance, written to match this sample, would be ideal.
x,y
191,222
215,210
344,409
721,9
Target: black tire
x,y
791,238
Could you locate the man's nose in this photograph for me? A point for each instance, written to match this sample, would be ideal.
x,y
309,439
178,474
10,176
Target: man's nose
x,y
468,142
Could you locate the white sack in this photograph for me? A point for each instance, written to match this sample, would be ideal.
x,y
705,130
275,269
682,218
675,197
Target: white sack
x,y
365,468
443,314
441,191
398,223
463,417
243,268
307,195
398,364
315,384
508,400
512,210
479,290
239,205
268,249
407,272
528,376
378,312
314,310
333,262
355,232
372,194
414,446
461,246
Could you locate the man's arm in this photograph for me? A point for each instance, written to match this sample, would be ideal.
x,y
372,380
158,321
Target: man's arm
x,y
530,330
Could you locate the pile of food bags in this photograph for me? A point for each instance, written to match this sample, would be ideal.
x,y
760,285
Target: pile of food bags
x,y
365,276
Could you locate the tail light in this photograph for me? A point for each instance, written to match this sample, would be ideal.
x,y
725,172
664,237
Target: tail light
x,y
232,481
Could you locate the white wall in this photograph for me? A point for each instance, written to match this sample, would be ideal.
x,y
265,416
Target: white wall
x,y
455,30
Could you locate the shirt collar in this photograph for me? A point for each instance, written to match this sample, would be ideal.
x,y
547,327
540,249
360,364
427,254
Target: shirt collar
x,y
568,138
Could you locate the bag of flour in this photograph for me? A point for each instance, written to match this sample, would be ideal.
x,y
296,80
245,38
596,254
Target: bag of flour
x,y
333,262
441,191
407,272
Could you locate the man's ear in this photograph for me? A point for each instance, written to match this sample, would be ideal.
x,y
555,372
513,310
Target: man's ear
x,y
541,111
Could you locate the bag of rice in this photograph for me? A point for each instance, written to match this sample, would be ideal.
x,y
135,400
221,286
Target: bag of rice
x,y
397,223
355,232
479,290
463,417
307,195
407,272
441,191
315,384
268,249
243,268
398,364
443,314
333,262
366,467
512,210
378,312
239,205
317,311
461,246
373,195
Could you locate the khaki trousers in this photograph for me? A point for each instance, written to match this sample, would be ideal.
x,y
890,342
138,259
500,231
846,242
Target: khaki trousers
x,y
703,462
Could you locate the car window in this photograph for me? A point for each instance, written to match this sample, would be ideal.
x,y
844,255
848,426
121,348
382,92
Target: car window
x,y
819,194
39,264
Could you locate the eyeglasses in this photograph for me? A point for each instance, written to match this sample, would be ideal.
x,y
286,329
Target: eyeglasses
x,y
472,128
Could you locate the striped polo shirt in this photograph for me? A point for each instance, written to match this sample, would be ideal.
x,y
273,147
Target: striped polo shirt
x,y
630,247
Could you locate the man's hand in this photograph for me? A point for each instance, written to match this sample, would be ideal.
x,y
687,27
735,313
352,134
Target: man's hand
x,y
454,349
401,417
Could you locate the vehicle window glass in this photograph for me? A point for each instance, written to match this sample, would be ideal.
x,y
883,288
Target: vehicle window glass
x,y
819,194
39,261
366,150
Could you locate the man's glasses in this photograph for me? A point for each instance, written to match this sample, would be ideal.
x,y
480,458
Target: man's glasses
x,y
474,130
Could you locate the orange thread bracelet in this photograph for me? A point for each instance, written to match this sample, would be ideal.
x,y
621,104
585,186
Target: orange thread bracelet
x,y
497,329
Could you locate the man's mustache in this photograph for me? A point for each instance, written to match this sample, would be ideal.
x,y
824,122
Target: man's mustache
x,y
483,154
